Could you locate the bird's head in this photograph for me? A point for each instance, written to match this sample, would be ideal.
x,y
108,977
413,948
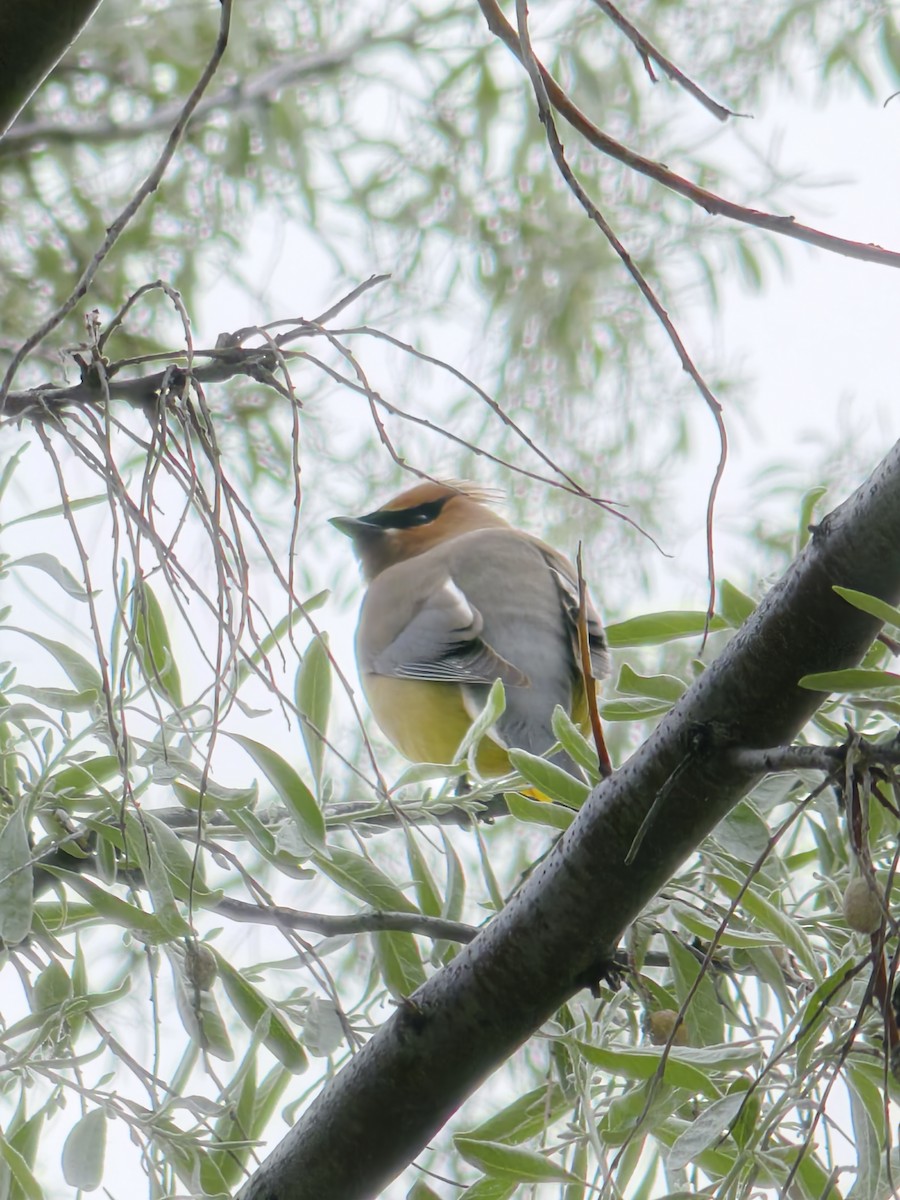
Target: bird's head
x,y
416,520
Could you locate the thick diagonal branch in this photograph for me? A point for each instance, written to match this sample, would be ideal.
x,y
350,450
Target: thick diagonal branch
x,y
556,932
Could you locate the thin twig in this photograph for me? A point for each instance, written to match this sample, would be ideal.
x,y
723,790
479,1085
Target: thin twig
x,y
337,926
539,78
648,52
114,231
787,226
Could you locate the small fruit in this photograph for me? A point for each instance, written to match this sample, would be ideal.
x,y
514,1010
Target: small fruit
x,y
200,966
664,1027
862,906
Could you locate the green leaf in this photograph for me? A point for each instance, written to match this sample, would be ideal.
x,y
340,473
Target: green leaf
x,y
84,776
252,1007
871,605
687,1067
52,987
656,687
313,697
742,833
291,789
200,1016
83,674
154,644
513,1162
654,629
633,710
775,921
853,679
489,1188
576,745
20,1170
524,1118
538,812
247,667
322,1028
807,507
552,781
400,962
705,1130
84,1151
704,1017
58,573
735,605
142,847
58,698
358,875
424,882
111,908
59,510
494,708
16,880
818,1011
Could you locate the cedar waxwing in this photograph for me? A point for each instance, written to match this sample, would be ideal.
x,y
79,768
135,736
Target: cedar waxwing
x,y
458,598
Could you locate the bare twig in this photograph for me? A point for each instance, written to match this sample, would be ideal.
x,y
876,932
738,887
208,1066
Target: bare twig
x,y
649,53
539,80
336,926
114,231
787,226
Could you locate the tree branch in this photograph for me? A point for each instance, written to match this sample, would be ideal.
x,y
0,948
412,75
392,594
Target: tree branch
x,y
330,925
715,205
240,96
560,928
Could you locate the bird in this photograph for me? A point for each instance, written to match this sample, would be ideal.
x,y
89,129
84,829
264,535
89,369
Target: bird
x,y
456,599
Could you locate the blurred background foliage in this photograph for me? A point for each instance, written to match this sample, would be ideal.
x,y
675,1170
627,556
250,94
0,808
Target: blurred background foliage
x,y
350,140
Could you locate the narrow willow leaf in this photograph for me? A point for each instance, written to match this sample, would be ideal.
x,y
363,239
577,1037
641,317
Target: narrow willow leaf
x,y
58,573
84,675
653,629
524,1118
16,880
252,1007
271,640
775,921
494,708
735,605
872,605
704,1017
62,699
515,1162
400,962
552,781
154,644
706,1129
20,1170
313,697
359,876
538,812
291,789
576,745
656,687
322,1028
853,679
84,776
84,1151
427,892
111,908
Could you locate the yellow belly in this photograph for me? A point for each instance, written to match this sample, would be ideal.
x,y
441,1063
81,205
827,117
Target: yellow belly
x,y
427,720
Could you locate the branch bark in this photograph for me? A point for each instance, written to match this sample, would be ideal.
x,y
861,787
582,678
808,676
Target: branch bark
x,y
558,930
34,35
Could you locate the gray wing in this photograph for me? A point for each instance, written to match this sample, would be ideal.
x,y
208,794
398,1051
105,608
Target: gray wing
x,y
567,584
442,641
